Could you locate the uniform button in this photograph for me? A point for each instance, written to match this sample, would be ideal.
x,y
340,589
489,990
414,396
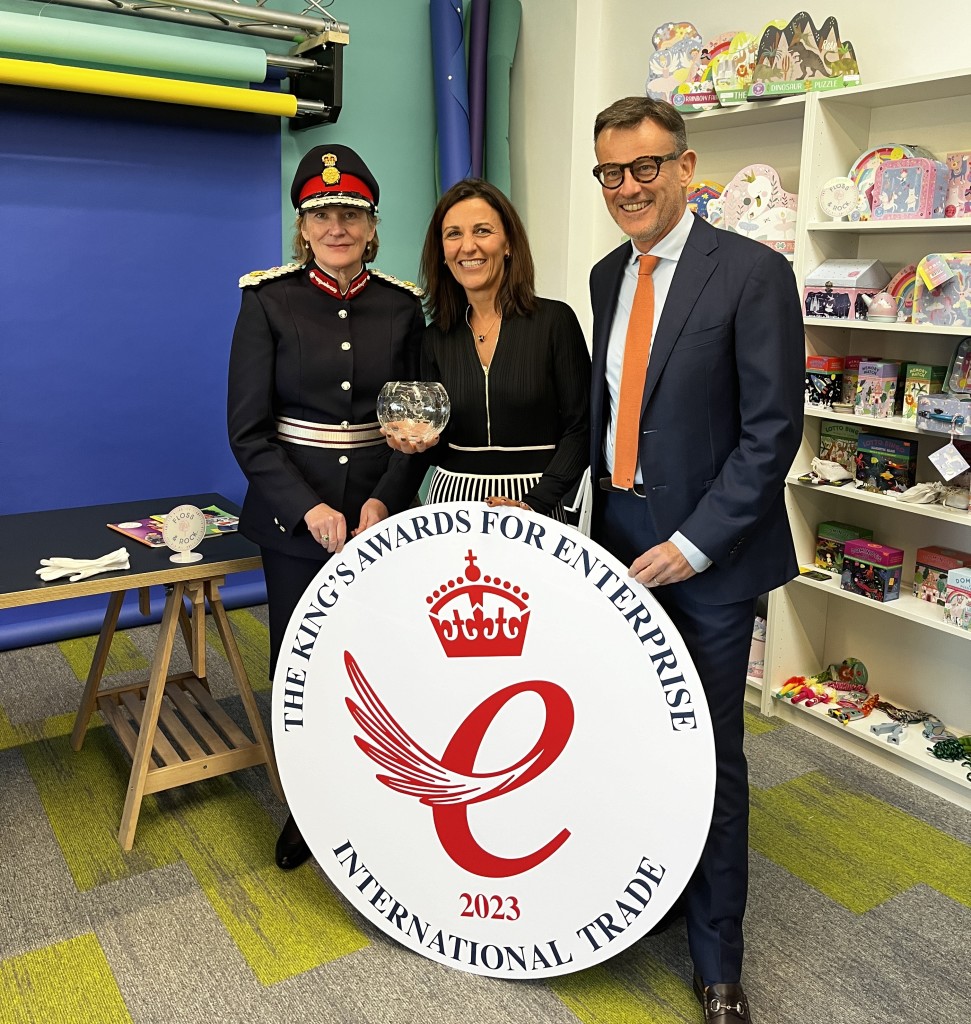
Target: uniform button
x,y
342,313
345,385
345,345
275,520
343,460
344,424
283,529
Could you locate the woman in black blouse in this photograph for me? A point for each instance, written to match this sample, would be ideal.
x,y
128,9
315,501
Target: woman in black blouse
x,y
515,366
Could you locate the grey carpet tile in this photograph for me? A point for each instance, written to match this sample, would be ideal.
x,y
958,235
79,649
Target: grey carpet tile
x,y
386,984
36,683
174,963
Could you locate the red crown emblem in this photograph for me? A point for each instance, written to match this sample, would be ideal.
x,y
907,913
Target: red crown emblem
x,y
478,616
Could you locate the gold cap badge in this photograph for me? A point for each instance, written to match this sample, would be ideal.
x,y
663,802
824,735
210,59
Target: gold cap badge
x,y
330,174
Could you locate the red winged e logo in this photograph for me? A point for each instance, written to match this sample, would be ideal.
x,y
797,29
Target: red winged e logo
x,y
449,784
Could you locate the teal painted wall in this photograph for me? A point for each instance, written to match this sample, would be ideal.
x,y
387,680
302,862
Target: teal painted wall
x,y
388,117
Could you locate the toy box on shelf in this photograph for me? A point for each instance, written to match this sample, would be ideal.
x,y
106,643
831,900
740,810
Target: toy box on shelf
x,y
701,193
872,570
959,370
831,538
931,566
920,379
824,380
851,376
886,464
876,389
677,45
909,189
957,598
942,293
958,201
755,204
837,443
795,57
732,70
833,289
944,414
697,91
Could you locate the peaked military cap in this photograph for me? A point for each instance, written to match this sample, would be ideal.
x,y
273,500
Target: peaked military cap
x,y
333,176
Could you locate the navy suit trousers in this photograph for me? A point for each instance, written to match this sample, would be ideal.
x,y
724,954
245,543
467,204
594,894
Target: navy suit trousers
x,y
718,637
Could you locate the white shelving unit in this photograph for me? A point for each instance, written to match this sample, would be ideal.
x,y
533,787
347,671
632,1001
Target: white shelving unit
x,y
914,658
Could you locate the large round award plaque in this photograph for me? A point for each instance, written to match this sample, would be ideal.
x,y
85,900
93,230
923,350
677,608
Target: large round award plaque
x,y
493,741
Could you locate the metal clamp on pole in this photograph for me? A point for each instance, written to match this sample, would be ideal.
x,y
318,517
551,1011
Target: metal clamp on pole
x,y
323,88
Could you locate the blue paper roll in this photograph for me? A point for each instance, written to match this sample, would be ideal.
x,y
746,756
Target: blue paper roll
x,y
478,63
451,92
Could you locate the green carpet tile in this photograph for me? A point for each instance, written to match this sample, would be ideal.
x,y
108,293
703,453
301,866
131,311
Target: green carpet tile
x,y
123,655
67,983
619,992
858,851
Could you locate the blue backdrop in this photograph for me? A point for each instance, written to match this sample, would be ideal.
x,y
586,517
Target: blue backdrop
x,y
124,228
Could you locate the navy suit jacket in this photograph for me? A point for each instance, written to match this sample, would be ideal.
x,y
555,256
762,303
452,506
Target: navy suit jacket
x,y
721,418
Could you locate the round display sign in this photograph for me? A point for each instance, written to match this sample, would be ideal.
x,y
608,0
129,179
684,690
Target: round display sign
x,y
494,742
184,529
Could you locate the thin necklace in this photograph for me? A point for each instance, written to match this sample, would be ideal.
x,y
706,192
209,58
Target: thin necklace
x,y
480,338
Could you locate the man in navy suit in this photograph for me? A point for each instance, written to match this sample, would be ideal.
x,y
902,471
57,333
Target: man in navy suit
x,y
703,520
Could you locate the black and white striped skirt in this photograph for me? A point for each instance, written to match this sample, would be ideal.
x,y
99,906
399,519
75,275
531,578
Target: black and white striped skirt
x,y
448,486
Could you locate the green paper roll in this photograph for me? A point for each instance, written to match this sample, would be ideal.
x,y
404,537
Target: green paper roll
x,y
504,19
54,38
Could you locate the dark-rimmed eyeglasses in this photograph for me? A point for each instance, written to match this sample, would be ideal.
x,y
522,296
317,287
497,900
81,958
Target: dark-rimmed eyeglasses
x,y
643,169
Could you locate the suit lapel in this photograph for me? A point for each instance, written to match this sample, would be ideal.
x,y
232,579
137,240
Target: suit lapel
x,y
695,266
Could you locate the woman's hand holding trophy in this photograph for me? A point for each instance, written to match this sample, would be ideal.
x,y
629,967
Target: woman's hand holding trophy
x,y
412,414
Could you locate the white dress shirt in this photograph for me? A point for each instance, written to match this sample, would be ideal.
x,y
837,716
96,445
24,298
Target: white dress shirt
x,y
668,250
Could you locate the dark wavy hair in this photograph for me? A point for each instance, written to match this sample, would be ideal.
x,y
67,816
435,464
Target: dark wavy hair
x,y
630,111
445,298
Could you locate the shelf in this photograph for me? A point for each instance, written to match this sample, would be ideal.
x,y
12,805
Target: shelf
x,y
920,89
851,493
897,227
922,659
895,423
912,750
905,607
787,108
961,331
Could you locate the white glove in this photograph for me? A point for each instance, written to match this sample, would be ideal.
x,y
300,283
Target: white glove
x,y
81,568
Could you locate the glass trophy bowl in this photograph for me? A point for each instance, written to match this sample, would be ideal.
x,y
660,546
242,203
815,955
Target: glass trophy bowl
x,y
414,410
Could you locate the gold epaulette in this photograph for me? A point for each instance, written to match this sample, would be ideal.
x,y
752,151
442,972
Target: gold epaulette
x,y
408,286
259,276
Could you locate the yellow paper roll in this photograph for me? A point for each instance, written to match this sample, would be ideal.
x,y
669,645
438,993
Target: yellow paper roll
x,y
142,87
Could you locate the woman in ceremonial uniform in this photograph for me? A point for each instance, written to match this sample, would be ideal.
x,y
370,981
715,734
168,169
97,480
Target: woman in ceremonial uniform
x,y
314,343
515,365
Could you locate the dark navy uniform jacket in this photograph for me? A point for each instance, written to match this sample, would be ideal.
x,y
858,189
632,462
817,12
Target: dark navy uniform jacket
x,y
299,351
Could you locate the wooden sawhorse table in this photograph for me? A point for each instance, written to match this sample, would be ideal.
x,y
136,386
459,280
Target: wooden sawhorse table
x,y
173,729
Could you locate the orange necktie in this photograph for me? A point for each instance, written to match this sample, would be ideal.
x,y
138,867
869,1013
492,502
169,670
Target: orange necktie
x,y
632,375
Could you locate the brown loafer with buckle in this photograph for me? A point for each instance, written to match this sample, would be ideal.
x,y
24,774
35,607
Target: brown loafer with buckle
x,y
723,1004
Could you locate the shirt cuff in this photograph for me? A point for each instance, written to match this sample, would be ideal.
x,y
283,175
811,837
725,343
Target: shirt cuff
x,y
697,559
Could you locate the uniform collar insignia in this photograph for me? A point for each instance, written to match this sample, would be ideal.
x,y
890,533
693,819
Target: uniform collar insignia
x,y
328,284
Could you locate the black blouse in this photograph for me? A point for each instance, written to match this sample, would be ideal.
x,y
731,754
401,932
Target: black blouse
x,y
528,413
